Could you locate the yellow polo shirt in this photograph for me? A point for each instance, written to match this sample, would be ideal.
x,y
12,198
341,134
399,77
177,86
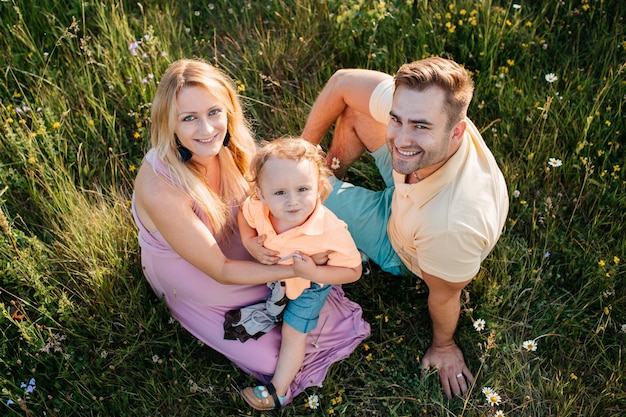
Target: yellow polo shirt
x,y
322,231
446,224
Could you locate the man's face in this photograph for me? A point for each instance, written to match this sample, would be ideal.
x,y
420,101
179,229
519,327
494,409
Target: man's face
x,y
417,133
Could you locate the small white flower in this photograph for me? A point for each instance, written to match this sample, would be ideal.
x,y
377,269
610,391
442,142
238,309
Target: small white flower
x,y
493,398
487,391
551,77
623,328
530,345
555,162
104,354
516,194
479,325
517,6
499,413
335,163
155,358
313,402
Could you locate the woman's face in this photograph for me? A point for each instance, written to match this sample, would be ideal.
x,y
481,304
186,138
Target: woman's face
x,y
201,122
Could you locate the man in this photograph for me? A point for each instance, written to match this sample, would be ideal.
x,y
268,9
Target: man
x,y
446,199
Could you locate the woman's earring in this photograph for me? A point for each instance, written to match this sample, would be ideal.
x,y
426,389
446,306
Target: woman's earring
x,y
227,138
185,154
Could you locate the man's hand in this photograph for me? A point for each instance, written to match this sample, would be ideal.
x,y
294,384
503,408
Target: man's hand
x,y
454,375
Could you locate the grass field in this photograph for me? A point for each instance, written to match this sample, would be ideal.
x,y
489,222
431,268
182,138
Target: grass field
x,y
82,334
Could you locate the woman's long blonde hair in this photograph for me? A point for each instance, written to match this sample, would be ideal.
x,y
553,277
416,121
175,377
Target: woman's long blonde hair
x,y
234,159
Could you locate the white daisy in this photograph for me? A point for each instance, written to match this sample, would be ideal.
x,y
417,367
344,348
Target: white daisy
x,y
479,325
555,162
530,345
313,402
551,77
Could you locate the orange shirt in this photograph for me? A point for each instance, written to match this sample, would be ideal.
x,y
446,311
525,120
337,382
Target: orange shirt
x,y
322,231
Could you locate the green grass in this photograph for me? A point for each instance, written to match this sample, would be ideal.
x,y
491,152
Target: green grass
x,y
76,314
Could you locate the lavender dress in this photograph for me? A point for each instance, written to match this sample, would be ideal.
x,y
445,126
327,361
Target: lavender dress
x,y
199,303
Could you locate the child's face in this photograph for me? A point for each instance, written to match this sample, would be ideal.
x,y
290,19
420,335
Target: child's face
x,y
290,189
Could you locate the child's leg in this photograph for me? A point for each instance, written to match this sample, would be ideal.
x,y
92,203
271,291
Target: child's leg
x,y
300,317
292,350
290,358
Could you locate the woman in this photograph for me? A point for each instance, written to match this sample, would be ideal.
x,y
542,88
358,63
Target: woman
x,y
187,194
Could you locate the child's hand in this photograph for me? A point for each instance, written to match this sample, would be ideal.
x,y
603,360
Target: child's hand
x,y
321,258
261,253
304,266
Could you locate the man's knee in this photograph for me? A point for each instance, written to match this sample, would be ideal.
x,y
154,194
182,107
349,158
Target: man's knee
x,y
370,132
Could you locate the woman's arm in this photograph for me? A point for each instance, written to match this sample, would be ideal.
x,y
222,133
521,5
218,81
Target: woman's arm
x,y
170,211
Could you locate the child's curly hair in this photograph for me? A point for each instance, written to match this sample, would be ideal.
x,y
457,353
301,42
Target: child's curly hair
x,y
297,149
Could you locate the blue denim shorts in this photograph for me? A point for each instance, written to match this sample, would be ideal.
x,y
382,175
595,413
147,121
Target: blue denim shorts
x,y
366,212
303,313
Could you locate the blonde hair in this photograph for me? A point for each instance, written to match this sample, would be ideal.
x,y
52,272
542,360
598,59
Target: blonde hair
x,y
234,159
446,74
296,149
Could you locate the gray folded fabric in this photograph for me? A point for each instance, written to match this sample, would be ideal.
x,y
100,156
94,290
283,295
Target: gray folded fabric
x,y
255,320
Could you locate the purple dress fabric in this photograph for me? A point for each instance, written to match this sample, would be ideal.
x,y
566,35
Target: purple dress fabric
x,y
199,303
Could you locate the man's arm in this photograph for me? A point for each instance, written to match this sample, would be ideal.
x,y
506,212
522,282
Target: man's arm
x,y
444,306
347,88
